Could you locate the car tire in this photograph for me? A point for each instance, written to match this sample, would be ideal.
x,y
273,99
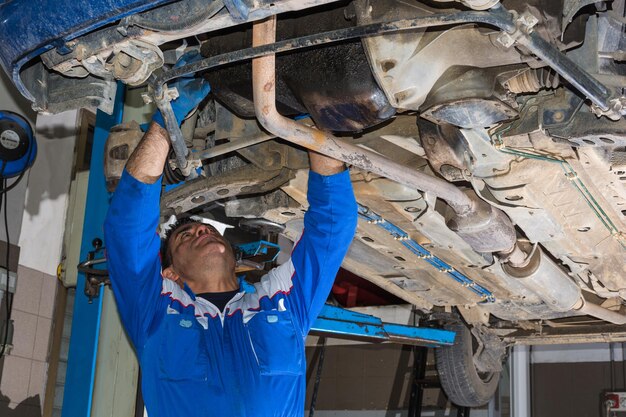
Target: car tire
x,y
459,378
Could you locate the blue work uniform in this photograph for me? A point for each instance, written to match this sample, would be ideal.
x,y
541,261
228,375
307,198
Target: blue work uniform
x,y
249,359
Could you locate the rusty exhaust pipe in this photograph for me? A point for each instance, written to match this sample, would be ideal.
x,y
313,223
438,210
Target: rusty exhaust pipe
x,y
264,90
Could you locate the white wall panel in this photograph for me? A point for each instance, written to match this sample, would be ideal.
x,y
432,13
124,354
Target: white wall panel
x,y
47,194
589,352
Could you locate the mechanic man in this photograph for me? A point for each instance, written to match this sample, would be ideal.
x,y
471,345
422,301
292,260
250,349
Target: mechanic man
x,y
211,347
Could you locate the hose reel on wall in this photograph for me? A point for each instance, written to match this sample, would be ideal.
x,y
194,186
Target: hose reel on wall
x,y
18,147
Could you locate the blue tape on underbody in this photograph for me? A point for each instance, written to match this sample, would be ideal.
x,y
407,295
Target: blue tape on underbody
x,y
425,254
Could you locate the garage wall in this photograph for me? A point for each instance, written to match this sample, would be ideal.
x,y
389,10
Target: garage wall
x,y
23,376
569,380
46,199
36,218
13,100
371,380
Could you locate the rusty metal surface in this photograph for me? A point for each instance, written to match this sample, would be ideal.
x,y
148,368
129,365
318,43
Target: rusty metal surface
x,y
201,191
264,206
486,230
374,257
444,149
407,65
102,43
272,155
565,118
383,261
541,200
134,61
265,98
333,83
590,333
594,310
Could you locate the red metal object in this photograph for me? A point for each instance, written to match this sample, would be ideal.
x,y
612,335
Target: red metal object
x,y
352,291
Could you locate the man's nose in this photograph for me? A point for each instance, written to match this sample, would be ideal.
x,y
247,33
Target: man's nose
x,y
203,230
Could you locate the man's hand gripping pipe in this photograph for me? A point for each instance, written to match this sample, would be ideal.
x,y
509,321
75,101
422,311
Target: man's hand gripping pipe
x,y
175,102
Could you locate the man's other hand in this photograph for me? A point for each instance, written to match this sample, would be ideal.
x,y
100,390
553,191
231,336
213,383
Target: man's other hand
x,y
325,165
191,90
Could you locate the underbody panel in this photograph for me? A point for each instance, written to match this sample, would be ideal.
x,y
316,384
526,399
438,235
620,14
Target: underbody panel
x,y
487,148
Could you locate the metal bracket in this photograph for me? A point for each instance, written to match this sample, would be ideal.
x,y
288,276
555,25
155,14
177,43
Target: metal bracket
x,y
491,350
134,61
524,25
94,277
617,108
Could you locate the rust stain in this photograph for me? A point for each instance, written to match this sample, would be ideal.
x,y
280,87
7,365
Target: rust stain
x,y
265,110
318,137
269,86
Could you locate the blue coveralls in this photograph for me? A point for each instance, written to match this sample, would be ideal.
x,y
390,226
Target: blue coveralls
x,y
249,360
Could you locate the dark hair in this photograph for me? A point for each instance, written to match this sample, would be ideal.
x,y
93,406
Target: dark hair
x,y
166,255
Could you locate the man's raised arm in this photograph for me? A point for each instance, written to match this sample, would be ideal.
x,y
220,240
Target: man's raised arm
x,y
130,233
324,165
329,226
130,228
147,161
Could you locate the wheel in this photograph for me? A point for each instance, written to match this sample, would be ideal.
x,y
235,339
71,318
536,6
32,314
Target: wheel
x,y
463,384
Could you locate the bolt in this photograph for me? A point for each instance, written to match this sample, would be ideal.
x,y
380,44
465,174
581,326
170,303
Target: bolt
x,y
172,93
558,116
527,21
147,99
614,111
124,59
505,40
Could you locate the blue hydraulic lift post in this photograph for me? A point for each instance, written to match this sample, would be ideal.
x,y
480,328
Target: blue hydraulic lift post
x,y
81,362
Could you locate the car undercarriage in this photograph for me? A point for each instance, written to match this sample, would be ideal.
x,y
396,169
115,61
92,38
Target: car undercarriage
x,y
485,140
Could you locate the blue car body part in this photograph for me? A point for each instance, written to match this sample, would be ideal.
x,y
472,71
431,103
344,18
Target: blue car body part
x,y
30,28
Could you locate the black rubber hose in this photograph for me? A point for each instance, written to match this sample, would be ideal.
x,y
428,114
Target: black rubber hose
x,y
160,19
318,377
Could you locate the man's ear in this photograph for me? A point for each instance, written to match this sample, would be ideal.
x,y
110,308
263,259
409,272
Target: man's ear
x,y
171,274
